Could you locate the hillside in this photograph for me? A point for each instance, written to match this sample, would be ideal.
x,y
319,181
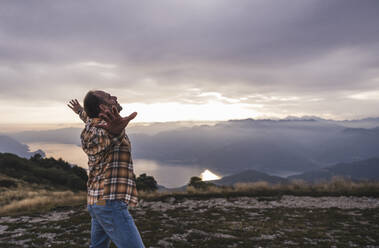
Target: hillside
x,y
43,171
359,170
248,176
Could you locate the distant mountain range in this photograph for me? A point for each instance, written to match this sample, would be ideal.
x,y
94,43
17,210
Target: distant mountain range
x,y
280,147
357,171
365,170
10,145
61,136
272,146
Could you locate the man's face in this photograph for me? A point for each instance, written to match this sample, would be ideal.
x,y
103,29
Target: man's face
x,y
108,99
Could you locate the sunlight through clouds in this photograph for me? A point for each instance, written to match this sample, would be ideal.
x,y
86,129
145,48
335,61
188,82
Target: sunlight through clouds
x,y
207,175
192,60
172,111
369,95
96,65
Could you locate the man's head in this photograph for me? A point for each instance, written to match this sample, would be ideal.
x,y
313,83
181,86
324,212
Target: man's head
x,y
93,99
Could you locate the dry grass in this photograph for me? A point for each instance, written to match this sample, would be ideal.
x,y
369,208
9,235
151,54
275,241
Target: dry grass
x,y
33,198
26,201
336,187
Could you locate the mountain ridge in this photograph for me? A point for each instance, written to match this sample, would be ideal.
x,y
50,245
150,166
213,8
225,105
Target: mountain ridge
x,y
248,176
11,145
363,170
292,144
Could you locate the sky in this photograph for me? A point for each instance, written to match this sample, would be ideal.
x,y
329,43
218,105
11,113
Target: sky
x,y
175,60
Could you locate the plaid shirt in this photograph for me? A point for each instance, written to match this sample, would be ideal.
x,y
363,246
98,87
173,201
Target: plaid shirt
x,y
110,164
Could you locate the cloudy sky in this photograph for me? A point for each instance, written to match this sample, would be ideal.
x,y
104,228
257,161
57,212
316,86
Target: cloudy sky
x,y
190,60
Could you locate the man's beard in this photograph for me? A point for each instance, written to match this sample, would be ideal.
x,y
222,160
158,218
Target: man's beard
x,y
119,108
117,105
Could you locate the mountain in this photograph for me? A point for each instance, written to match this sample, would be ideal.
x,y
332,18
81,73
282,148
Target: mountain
x,y
248,176
359,170
10,145
161,188
61,136
71,135
263,155
361,123
274,146
271,146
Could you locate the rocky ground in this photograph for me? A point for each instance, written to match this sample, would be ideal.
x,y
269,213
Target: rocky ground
x,y
286,221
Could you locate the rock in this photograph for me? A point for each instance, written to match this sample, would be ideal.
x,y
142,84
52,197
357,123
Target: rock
x,y
164,243
170,200
3,228
224,236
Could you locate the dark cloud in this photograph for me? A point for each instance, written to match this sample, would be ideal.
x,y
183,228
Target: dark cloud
x,y
150,51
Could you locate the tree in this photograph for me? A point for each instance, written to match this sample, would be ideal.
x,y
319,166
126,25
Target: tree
x,y
36,157
197,183
43,171
146,183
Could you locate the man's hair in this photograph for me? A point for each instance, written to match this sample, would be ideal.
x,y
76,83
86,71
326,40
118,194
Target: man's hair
x,y
92,104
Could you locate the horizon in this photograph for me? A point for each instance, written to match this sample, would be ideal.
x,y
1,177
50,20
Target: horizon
x,y
62,144
18,127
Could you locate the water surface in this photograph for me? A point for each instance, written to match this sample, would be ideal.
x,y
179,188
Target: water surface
x,y
165,174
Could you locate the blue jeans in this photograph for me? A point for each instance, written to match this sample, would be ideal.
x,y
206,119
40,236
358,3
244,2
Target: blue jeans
x,y
113,222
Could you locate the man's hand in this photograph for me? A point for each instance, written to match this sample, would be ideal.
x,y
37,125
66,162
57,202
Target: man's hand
x,y
75,106
115,123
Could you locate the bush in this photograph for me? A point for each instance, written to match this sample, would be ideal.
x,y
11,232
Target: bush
x,y
146,183
76,183
7,183
197,183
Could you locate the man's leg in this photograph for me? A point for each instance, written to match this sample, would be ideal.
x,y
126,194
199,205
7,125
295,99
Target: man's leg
x,y
99,238
118,224
126,233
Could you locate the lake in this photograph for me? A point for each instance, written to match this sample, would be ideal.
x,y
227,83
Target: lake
x,y
167,175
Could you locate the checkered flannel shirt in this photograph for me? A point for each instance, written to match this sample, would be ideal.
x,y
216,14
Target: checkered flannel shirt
x,y
110,165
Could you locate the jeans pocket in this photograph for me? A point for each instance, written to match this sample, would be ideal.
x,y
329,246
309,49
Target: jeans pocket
x,y
128,218
121,204
89,210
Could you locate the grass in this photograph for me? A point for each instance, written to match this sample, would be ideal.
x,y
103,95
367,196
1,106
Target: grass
x,y
336,187
24,201
27,198
195,223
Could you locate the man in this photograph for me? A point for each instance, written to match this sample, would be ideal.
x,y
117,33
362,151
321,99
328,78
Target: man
x,y
111,181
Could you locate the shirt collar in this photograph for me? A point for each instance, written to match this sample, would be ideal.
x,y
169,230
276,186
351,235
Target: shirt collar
x,y
95,121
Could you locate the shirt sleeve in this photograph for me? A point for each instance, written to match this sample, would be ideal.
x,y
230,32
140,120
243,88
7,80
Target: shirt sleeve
x,y
99,140
83,115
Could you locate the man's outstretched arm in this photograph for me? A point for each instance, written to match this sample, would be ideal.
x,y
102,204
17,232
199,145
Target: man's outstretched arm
x,y
78,109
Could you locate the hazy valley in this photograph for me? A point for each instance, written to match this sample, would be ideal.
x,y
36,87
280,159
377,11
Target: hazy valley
x,y
278,147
